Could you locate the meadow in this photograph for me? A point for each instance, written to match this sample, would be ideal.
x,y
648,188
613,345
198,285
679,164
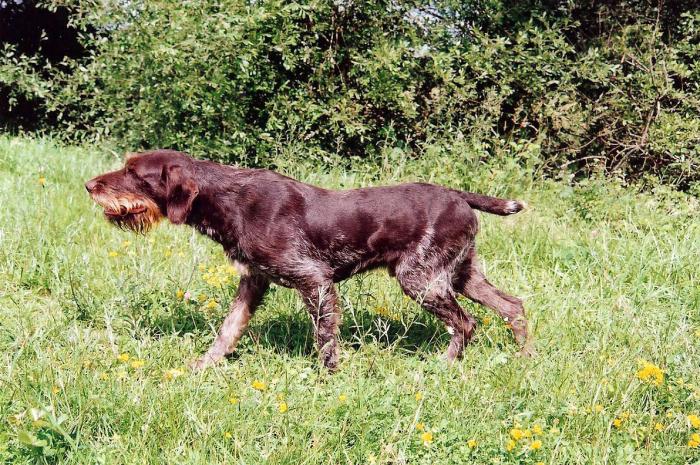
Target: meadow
x,y
97,326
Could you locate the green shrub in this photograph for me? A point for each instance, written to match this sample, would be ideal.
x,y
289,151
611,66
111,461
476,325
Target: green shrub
x,y
593,86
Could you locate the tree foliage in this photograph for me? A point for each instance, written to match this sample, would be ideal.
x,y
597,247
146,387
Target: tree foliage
x,y
591,84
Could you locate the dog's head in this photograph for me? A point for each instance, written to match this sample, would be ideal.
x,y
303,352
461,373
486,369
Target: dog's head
x,y
150,186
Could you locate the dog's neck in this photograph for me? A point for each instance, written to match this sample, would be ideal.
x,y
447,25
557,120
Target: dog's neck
x,y
207,215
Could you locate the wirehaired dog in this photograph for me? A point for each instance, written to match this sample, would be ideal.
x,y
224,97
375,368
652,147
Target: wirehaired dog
x,y
278,230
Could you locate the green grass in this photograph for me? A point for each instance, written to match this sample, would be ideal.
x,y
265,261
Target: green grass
x,y
609,276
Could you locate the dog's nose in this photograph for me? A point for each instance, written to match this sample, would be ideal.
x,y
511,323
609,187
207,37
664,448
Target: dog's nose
x,y
91,185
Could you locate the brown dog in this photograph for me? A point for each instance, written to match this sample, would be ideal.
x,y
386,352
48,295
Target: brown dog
x,y
290,233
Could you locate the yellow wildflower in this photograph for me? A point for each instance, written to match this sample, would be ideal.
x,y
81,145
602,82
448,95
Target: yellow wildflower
x,y
536,444
55,390
486,321
598,408
510,445
650,373
419,396
539,463
104,376
123,357
136,364
233,400
537,429
126,244
472,443
283,407
516,433
694,441
42,180
427,438
694,420
113,254
202,267
658,426
228,435
342,398
259,385
173,373
179,294
211,304
617,422
420,426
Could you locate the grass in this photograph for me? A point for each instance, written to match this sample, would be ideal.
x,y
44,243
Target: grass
x,y
609,276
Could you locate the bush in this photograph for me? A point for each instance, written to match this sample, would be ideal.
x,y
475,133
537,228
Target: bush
x,y
593,85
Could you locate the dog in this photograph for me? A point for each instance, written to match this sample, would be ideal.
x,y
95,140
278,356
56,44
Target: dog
x,y
279,230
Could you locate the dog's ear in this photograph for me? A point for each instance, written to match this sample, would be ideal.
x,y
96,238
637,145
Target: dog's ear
x,y
180,192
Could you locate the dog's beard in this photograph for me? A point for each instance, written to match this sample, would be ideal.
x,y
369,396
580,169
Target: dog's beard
x,y
128,212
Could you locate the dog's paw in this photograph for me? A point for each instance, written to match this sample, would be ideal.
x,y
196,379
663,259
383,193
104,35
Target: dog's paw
x,y
528,351
201,363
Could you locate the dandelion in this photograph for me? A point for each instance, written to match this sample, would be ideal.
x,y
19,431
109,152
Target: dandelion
x,y
202,267
42,181
517,434
259,385
539,463
598,408
694,420
55,390
537,429
536,444
650,373
136,364
342,398
658,426
123,357
486,321
419,396
510,445
233,400
173,373
104,376
113,254
617,422
420,426
179,294
228,435
427,438
283,407
694,441
472,443
212,304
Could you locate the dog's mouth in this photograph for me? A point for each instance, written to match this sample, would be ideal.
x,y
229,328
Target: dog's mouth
x,y
129,212
124,211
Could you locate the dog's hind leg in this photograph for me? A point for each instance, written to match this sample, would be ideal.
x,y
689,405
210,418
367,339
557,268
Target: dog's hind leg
x,y
321,300
250,293
471,282
434,293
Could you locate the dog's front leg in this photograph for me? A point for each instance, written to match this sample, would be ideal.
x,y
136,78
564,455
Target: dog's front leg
x,y
322,302
250,293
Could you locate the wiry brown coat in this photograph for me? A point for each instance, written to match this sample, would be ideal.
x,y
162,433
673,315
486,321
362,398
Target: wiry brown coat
x,y
307,238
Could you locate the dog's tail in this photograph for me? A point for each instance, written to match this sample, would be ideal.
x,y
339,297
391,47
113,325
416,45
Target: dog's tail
x,y
493,205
